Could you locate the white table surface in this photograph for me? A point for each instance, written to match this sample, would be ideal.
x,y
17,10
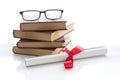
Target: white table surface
x,y
104,67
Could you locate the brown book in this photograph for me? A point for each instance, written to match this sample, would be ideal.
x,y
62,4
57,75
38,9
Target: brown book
x,y
35,52
43,44
41,26
43,35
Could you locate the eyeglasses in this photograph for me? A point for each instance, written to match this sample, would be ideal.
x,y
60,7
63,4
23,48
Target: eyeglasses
x,y
33,15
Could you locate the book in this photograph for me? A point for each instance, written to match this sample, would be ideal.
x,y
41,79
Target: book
x,y
43,44
42,35
38,26
44,24
35,52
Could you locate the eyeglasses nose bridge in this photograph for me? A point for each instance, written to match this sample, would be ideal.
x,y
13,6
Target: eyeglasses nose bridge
x,y
42,12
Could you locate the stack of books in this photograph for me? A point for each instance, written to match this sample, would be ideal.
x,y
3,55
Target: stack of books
x,y
42,38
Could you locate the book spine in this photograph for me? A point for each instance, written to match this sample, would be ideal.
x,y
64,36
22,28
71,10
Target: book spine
x,y
43,26
32,35
32,52
98,51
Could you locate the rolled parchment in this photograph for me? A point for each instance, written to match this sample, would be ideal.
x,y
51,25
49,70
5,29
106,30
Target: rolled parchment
x,y
90,52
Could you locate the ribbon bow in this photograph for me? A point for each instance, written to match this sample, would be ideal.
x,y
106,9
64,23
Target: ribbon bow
x,y
69,60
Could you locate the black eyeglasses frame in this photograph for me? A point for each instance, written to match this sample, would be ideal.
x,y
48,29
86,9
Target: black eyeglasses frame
x,y
40,12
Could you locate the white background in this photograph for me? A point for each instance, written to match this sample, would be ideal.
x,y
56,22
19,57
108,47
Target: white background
x,y
97,22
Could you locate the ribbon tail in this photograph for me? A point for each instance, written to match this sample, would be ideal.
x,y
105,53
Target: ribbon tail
x,y
68,64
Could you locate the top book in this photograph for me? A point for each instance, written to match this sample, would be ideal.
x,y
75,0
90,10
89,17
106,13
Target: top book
x,y
44,25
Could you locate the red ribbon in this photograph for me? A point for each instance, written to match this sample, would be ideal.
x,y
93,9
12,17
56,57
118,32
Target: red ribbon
x,y
69,60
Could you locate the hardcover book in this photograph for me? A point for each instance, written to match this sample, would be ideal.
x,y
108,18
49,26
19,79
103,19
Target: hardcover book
x,y
42,35
35,52
43,44
41,26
